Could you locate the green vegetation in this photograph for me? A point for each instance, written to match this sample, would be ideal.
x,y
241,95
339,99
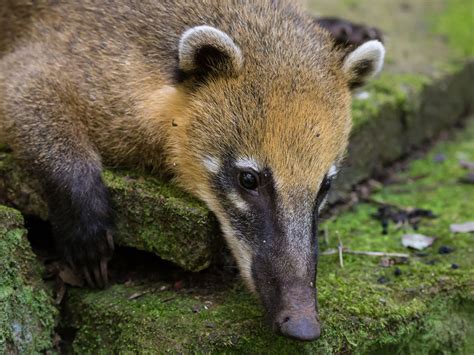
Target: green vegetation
x,y
27,315
457,24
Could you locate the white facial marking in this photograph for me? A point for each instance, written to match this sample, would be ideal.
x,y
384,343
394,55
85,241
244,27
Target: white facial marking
x,y
212,164
241,252
238,201
247,163
332,171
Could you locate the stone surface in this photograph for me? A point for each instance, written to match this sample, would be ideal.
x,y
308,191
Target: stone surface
x,y
422,306
426,87
27,314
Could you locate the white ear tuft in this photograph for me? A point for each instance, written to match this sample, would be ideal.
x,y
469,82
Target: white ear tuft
x,y
364,62
205,48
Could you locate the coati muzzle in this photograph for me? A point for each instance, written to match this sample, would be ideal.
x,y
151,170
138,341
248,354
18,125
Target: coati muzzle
x,y
272,232
289,300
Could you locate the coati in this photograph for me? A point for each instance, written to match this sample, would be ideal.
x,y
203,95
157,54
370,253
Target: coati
x,y
246,103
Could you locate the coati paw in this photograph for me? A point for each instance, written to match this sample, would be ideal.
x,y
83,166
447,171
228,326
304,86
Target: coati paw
x,y
347,33
89,257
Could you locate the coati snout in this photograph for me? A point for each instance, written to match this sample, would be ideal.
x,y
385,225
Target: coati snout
x,y
246,104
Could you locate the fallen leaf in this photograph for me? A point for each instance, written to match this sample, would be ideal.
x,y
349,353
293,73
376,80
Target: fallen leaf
x,y
467,164
417,241
178,285
462,227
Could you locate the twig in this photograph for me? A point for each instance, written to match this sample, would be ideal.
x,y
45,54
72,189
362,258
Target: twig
x,y
326,234
377,253
339,247
361,252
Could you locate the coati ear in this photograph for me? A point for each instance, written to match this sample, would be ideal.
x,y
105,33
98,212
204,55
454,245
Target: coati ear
x,y
204,50
364,62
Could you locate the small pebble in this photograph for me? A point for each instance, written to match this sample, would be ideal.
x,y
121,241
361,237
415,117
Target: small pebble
x,y
397,272
454,266
383,280
468,178
444,249
439,158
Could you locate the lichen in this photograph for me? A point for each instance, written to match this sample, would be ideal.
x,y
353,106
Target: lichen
x,y
27,314
428,308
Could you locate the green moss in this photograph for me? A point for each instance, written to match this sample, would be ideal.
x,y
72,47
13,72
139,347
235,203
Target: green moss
x,y
388,91
427,309
456,24
155,216
27,315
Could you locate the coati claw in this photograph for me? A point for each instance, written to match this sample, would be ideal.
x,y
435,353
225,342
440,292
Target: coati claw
x,y
110,241
93,259
88,278
104,273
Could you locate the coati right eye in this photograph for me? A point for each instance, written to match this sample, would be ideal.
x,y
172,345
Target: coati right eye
x,y
248,180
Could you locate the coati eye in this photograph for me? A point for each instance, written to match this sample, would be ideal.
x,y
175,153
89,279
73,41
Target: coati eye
x,y
248,180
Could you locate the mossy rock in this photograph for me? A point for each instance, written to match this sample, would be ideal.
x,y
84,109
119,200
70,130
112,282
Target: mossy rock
x,y
152,215
426,307
27,313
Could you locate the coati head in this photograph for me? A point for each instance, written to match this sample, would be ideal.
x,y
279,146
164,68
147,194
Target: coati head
x,y
264,127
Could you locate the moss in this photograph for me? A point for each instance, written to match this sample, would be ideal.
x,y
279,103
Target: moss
x,y
456,24
155,216
388,90
427,309
27,315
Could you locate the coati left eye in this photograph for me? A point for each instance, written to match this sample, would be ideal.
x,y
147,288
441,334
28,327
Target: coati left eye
x,y
248,180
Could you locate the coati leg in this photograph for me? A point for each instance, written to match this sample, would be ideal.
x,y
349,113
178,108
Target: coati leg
x,y
348,33
49,138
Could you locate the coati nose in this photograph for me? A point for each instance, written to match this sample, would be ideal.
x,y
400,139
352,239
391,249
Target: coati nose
x,y
300,328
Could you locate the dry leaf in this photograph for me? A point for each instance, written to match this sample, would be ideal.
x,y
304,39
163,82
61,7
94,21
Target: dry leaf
x,y
417,241
462,227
